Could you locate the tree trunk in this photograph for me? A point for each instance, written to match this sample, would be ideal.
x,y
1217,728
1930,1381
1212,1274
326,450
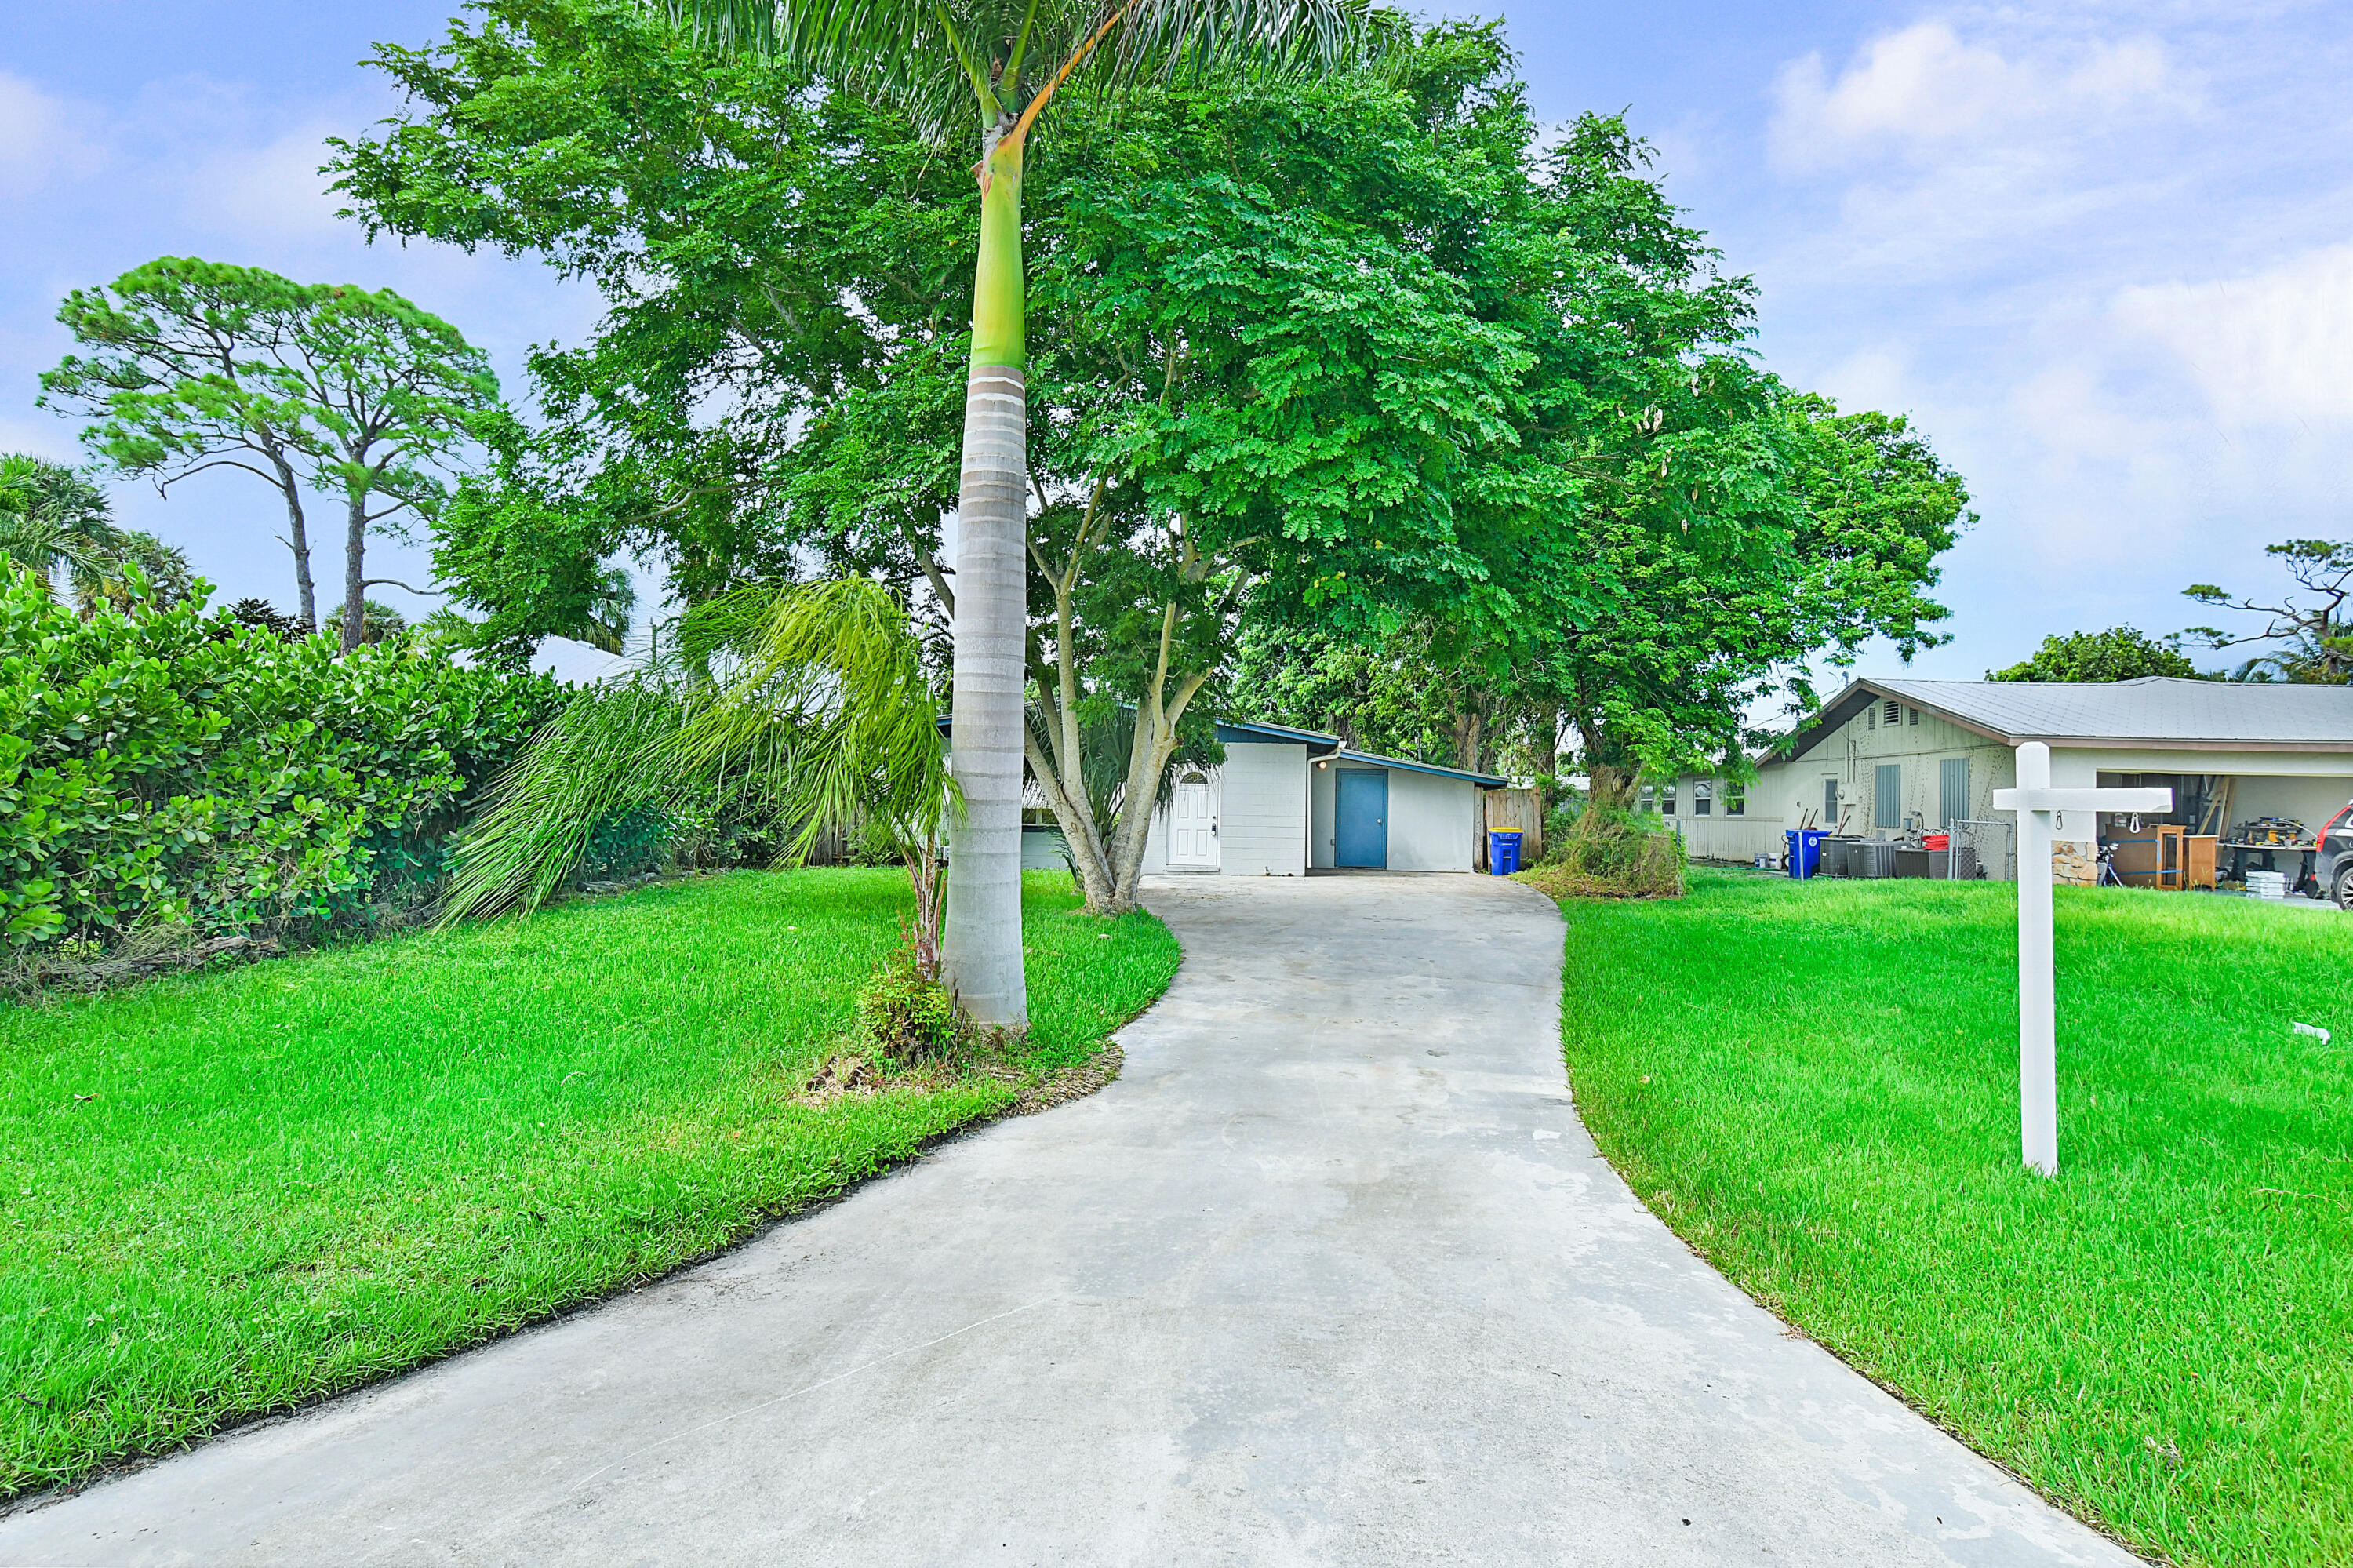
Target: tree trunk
x,y
354,571
981,946
298,540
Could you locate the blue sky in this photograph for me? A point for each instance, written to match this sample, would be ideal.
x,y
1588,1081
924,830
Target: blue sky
x,y
2102,254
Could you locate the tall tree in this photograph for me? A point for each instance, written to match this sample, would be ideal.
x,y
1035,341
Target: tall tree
x,y
2315,634
995,66
1265,378
204,366
2119,653
1672,533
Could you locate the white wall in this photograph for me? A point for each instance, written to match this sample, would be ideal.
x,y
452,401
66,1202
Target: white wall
x,y
1262,810
1721,836
1431,821
2309,787
1261,800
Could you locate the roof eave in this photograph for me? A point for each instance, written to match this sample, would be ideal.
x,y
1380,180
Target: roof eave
x,y
1484,781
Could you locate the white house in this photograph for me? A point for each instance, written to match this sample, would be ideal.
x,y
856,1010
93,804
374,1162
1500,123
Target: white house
x,y
1286,801
1886,755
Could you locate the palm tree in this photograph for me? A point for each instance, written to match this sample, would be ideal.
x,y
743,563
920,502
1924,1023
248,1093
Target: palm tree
x,y
994,66
164,576
52,520
818,711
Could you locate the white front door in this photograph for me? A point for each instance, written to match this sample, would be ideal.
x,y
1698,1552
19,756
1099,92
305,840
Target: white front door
x,y
1193,823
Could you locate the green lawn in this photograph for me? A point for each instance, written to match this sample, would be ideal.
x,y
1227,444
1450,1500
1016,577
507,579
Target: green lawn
x,y
224,1193
1816,1085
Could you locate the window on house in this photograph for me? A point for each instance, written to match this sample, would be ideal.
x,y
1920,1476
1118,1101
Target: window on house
x,y
1873,718
1702,798
1648,801
1667,799
1829,803
1735,800
1952,790
1916,715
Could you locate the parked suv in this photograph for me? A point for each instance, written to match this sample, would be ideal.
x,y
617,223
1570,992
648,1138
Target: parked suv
x,y
2332,867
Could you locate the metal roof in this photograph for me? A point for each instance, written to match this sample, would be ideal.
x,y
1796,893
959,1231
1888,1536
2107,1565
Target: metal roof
x,y
1484,781
1249,730
2153,711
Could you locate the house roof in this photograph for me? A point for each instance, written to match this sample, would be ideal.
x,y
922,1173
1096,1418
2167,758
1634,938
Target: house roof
x,y
1243,732
1484,781
1248,731
2154,711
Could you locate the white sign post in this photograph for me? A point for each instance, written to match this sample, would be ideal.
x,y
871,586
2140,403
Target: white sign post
x,y
2042,814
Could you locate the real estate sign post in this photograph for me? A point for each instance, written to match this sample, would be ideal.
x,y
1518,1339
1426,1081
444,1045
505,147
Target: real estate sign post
x,y
2042,813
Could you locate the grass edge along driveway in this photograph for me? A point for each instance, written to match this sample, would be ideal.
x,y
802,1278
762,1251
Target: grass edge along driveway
x,y
1816,1086
224,1194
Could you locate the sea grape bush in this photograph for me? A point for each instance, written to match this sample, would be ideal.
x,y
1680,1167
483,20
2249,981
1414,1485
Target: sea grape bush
x,y
171,764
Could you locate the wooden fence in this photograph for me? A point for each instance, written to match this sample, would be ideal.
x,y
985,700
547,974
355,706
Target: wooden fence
x,y
1504,810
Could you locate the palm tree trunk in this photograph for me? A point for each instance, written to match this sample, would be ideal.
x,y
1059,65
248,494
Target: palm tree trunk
x,y
981,947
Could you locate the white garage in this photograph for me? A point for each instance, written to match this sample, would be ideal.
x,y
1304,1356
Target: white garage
x,y
1286,801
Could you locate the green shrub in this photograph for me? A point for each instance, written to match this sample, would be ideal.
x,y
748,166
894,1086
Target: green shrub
x,y
166,764
1605,849
906,1014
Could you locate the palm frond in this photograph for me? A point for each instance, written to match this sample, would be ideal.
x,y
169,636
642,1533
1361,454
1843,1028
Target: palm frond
x,y
1186,39
821,702
935,59
815,705
598,759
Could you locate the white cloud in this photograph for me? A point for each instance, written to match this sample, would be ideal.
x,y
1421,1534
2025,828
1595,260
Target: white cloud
x,y
40,139
1922,90
274,191
2270,348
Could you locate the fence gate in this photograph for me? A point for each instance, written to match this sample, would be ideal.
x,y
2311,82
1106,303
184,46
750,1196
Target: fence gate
x,y
1986,849
1508,811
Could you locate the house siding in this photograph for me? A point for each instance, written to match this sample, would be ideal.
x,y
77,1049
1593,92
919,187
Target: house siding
x,y
1260,795
1431,821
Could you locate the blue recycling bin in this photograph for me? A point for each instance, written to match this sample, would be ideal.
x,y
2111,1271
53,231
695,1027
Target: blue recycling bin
x,y
1805,849
1503,853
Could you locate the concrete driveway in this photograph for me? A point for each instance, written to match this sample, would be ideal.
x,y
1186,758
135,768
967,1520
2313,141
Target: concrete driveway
x,y
1331,1275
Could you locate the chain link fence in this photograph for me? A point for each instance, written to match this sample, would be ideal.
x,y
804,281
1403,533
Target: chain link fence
x,y
1986,849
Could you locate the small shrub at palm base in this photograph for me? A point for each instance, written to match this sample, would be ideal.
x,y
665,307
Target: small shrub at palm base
x,y
908,1015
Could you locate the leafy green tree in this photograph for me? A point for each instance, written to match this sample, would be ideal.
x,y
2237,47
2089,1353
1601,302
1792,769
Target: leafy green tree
x,y
1672,533
200,365
1398,697
2119,653
1318,416
1367,367
2316,634
529,568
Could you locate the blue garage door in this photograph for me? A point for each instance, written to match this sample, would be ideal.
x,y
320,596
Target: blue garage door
x,y
1363,831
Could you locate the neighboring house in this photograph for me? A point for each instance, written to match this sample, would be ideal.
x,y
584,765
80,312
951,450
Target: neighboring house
x,y
1287,801
1885,756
